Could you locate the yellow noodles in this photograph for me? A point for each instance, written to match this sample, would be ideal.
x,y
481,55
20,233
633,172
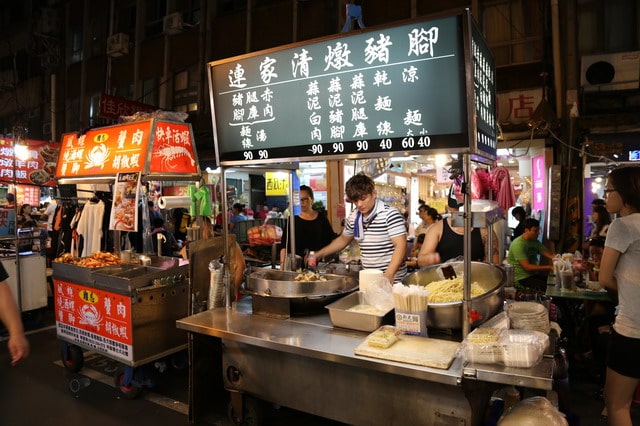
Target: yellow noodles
x,y
451,290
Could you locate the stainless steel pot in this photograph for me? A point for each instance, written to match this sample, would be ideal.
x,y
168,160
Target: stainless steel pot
x,y
449,315
276,283
278,293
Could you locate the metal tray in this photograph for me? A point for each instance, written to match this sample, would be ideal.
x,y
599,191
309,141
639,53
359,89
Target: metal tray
x,y
341,316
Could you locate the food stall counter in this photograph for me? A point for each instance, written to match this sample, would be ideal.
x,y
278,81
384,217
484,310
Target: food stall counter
x,y
277,360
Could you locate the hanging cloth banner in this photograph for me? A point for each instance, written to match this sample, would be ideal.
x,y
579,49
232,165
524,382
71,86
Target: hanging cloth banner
x,y
124,210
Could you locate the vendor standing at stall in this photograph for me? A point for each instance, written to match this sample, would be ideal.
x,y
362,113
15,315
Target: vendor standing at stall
x,y
444,241
312,229
376,226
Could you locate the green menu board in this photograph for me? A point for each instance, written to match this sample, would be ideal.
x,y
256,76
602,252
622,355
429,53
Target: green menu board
x,y
381,92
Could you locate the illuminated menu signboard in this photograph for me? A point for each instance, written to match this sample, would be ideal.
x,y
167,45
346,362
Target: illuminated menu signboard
x,y
32,163
398,89
149,146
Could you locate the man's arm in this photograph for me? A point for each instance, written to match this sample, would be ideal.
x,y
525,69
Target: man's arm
x,y
334,246
399,252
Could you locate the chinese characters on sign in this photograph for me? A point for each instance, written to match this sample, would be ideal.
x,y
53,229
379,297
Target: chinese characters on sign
x,y
124,148
484,94
397,89
33,163
173,149
7,223
114,107
94,318
105,151
277,183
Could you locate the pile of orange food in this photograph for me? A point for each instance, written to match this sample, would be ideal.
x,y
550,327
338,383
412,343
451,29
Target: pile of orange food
x,y
98,259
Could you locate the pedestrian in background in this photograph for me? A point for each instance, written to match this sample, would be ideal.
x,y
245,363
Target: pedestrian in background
x,y
520,215
619,271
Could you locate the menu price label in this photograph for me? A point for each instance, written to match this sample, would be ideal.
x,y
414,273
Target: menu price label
x,y
397,89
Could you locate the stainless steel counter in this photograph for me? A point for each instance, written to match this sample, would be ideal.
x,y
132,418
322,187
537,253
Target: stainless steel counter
x,y
309,349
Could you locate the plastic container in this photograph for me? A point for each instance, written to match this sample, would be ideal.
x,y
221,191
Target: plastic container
x,y
523,348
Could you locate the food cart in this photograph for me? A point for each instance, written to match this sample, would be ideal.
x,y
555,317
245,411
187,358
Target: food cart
x,y
421,87
124,310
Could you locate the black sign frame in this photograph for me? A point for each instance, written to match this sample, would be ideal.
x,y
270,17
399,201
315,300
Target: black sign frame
x,y
267,115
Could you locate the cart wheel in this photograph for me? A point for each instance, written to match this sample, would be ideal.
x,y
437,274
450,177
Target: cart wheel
x,y
130,391
72,358
179,360
252,412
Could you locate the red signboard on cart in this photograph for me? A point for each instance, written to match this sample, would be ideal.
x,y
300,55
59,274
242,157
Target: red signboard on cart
x,y
153,147
94,318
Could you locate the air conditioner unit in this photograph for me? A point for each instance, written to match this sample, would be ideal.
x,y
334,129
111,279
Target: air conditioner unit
x,y
172,23
614,71
118,45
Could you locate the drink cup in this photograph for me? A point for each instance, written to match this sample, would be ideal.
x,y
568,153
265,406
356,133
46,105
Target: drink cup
x,y
566,278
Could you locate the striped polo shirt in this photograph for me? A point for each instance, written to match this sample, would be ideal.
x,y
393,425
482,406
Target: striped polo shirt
x,y
376,247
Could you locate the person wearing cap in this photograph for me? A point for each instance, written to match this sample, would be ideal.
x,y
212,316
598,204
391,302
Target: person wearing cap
x,y
444,242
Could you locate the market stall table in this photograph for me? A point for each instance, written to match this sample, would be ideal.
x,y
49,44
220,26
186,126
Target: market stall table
x,y
307,364
570,303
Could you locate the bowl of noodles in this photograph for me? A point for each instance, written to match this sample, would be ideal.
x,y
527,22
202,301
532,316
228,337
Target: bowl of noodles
x,y
445,295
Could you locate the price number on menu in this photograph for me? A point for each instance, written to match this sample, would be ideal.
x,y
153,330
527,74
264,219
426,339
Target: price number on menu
x,y
261,154
410,142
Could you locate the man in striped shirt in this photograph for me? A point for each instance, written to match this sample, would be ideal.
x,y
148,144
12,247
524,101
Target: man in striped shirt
x,y
378,228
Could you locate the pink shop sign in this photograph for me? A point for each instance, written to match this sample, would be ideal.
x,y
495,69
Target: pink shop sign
x,y
538,180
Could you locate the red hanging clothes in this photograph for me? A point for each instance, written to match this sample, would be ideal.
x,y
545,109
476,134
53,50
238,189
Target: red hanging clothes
x,y
504,194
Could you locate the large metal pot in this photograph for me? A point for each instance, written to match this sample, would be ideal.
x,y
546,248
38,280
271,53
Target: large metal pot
x,y
277,293
449,315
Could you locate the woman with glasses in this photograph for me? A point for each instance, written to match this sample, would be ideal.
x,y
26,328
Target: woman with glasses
x,y
619,271
313,230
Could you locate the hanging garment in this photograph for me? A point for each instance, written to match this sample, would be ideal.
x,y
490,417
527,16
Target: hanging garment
x,y
504,190
90,227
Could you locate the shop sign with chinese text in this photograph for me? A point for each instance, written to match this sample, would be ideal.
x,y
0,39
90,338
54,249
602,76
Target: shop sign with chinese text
x,y
277,183
95,319
32,163
115,107
125,148
377,91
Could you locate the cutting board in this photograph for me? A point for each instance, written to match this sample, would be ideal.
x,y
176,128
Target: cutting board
x,y
416,350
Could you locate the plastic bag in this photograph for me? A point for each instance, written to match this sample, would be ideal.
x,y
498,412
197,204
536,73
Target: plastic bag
x,y
264,235
379,294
